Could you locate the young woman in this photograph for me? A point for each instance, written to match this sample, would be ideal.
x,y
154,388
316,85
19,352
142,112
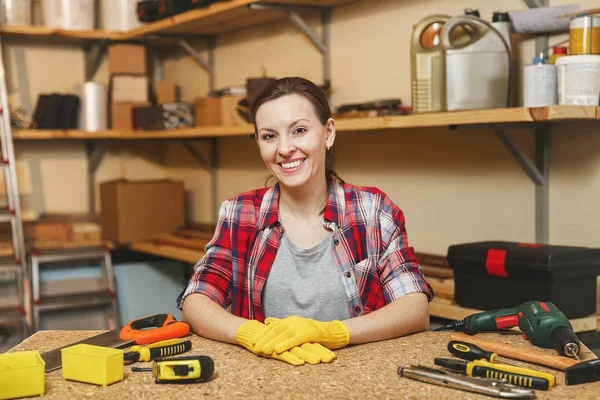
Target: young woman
x,y
312,263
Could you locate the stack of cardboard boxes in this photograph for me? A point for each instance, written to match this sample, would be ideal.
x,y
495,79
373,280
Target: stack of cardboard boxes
x,y
129,86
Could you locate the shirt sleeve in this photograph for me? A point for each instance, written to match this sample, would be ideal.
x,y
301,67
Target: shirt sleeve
x,y
399,271
213,273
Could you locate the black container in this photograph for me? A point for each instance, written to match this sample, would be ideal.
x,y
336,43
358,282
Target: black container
x,y
491,275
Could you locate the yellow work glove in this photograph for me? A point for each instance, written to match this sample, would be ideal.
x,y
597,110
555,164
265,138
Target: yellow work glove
x,y
248,334
285,334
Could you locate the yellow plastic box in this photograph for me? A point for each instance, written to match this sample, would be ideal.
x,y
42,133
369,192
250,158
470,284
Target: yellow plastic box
x,y
21,374
92,364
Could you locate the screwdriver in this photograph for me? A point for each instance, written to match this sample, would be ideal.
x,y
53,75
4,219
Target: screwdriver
x,y
471,352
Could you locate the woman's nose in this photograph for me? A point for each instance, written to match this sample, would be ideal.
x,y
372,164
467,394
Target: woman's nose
x,y
286,147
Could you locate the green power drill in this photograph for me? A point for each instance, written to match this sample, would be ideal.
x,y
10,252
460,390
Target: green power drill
x,y
541,322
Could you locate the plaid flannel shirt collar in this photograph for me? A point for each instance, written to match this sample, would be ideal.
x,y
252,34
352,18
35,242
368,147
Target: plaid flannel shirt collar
x,y
334,209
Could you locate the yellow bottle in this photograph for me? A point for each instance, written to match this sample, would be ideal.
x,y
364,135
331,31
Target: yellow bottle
x,y
557,51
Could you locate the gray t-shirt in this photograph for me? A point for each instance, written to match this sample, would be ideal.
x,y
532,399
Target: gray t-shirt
x,y
305,282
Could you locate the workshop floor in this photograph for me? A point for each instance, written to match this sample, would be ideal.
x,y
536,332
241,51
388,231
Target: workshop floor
x,y
590,339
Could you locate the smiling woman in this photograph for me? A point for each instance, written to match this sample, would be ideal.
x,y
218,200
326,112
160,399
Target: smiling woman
x,y
312,263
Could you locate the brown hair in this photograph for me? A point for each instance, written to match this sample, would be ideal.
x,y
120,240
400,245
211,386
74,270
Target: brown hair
x,y
311,92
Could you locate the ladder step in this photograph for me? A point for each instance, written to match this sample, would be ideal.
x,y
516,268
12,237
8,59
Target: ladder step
x,y
10,314
80,255
5,217
73,301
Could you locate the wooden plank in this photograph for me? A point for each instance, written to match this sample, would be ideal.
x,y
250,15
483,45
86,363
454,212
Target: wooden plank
x,y
38,245
168,251
432,259
183,133
37,134
495,116
48,33
443,288
443,308
436,272
197,243
221,17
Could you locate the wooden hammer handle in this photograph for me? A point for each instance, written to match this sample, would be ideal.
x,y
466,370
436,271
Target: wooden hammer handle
x,y
517,352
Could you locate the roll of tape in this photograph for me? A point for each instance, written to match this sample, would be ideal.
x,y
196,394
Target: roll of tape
x,y
93,114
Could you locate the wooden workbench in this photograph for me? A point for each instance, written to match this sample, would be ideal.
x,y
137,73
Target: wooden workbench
x,y
364,371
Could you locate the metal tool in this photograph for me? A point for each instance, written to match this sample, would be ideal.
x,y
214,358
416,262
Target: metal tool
x,y
471,352
583,372
476,385
161,349
542,323
114,338
517,352
154,329
181,369
523,377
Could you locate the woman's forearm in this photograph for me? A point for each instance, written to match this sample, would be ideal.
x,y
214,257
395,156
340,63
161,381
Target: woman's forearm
x,y
408,314
210,320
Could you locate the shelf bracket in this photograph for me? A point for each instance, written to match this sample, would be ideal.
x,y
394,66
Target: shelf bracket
x,y
537,169
95,152
538,172
208,65
522,158
322,44
94,54
211,167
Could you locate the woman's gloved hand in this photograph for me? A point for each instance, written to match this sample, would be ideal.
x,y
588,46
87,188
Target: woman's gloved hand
x,y
285,334
250,332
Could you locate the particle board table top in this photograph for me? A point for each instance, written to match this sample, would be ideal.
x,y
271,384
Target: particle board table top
x,y
362,371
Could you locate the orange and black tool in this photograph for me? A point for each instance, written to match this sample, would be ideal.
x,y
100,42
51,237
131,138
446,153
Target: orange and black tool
x,y
154,329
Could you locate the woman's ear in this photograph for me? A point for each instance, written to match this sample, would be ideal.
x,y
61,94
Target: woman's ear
x,y
329,133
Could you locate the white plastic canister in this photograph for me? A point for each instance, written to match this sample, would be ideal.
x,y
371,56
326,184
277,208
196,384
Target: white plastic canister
x,y
69,14
579,80
539,84
119,15
15,12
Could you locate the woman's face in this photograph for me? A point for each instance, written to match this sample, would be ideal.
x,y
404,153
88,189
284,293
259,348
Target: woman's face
x,y
292,140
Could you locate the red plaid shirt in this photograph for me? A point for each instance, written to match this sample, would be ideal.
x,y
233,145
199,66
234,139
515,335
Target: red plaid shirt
x,y
370,249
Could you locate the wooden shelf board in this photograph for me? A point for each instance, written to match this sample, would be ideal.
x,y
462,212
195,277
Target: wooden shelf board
x,y
168,251
44,32
495,116
221,17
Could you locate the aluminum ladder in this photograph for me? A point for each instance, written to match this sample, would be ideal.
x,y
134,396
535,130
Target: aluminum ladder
x,y
13,269
63,258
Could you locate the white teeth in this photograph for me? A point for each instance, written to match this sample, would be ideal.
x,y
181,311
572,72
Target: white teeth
x,y
292,164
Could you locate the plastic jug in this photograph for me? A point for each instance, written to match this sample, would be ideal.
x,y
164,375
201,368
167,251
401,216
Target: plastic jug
x,y
476,65
426,64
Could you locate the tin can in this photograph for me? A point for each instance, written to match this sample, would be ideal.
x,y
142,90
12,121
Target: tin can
x,y
584,35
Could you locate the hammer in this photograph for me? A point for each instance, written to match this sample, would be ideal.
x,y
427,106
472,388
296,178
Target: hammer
x,y
576,372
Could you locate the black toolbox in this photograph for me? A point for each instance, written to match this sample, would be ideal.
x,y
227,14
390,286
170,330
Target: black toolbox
x,y
491,275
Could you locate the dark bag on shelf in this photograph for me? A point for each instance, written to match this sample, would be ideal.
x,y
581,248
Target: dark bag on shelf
x,y
56,111
69,112
492,275
47,111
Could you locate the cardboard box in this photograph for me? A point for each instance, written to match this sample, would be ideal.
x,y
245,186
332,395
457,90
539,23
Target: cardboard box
x,y
166,92
51,231
129,89
137,210
217,111
127,59
122,115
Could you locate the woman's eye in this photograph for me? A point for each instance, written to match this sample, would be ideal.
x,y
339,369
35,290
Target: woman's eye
x,y
299,131
267,136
